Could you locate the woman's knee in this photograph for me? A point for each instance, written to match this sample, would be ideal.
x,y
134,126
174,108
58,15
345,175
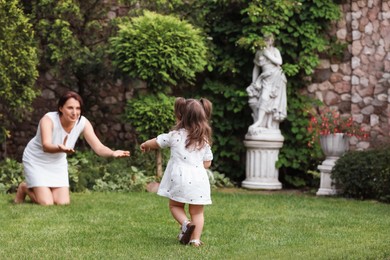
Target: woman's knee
x,y
42,196
45,201
62,201
61,196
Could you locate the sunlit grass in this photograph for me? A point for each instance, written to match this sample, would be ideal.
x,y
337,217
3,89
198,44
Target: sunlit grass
x,y
239,225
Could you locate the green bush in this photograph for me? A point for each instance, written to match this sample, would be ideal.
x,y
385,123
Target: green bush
x,y
151,115
87,171
219,180
18,65
124,180
160,49
84,168
364,174
11,174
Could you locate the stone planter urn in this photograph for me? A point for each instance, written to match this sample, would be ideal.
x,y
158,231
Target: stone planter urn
x,y
333,146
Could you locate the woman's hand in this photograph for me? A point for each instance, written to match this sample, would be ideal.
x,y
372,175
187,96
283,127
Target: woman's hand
x,y
65,149
120,153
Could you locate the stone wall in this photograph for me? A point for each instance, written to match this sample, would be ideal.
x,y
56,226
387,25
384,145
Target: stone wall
x,y
359,84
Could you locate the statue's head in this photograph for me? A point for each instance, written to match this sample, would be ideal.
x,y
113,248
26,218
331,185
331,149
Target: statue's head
x,y
269,39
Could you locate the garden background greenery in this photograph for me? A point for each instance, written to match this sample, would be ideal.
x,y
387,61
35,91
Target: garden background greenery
x,y
76,41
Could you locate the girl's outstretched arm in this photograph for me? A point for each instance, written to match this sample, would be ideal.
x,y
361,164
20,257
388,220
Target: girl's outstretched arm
x,y
206,164
149,145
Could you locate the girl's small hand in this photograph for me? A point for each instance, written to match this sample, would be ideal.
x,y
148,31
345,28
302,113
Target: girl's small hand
x,y
143,147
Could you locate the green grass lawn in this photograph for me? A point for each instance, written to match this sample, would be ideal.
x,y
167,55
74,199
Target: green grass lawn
x,y
239,225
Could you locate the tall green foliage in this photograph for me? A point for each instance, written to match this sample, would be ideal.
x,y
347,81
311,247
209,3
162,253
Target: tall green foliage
x,y
159,49
298,25
151,115
228,126
18,65
72,37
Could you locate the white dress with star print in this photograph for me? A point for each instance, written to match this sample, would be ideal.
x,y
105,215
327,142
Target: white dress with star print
x,y
185,179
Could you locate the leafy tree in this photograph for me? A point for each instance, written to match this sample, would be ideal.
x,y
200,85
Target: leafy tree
x,y
18,65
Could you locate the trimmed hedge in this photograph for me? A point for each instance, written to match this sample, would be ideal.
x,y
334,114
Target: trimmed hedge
x,y
364,174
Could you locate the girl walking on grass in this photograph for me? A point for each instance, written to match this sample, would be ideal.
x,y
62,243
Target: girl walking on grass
x,y
185,179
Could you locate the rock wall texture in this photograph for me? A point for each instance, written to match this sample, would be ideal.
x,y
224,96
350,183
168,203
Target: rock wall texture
x,y
359,83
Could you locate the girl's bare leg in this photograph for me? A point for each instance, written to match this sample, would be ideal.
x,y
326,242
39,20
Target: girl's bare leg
x,y
187,227
177,211
197,216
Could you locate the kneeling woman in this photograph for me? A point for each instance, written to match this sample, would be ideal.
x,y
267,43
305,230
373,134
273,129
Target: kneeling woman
x,y
44,158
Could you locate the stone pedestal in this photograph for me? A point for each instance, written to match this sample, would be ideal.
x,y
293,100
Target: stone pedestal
x,y
334,146
261,156
326,186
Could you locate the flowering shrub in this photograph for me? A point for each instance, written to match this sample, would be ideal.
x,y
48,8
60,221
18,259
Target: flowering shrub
x,y
329,121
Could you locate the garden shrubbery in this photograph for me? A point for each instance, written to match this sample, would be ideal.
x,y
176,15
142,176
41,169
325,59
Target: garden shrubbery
x,y
11,174
87,171
364,174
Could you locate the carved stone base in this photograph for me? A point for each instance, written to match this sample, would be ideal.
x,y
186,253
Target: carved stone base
x,y
261,156
326,185
334,146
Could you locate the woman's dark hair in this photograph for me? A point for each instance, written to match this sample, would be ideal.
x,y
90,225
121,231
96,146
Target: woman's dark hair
x,y
65,97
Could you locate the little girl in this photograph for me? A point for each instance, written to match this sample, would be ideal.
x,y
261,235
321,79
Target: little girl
x,y
185,179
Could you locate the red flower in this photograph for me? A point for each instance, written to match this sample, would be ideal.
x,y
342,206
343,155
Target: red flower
x,y
330,122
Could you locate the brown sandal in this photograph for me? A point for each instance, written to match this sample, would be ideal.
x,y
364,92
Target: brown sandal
x,y
185,236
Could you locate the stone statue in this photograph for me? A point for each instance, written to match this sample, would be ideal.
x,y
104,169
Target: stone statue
x,y
267,92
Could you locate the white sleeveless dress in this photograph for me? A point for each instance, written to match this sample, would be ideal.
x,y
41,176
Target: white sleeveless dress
x,y
185,179
43,169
